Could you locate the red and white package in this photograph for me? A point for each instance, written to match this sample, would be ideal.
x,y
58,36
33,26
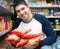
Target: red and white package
x,y
13,37
33,41
31,35
22,42
19,32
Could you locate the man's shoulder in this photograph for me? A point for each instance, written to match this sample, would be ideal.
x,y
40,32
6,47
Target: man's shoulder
x,y
39,16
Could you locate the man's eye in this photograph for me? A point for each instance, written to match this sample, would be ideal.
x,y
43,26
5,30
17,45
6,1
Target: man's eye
x,y
17,11
23,8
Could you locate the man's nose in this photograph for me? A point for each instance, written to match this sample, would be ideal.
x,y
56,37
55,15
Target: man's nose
x,y
21,12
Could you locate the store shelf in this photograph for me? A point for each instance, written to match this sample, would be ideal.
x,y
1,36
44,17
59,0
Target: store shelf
x,y
4,32
3,11
44,6
57,29
53,16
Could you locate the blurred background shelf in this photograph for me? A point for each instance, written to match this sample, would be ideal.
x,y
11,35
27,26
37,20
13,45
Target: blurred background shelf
x,y
44,6
57,29
4,32
4,11
53,16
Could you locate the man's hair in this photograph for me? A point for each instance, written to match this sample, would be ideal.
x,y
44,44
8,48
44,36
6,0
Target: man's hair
x,y
17,2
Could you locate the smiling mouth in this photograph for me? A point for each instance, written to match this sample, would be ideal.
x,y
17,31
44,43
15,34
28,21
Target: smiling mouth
x,y
23,16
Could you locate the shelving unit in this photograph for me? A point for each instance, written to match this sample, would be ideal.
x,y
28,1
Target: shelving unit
x,y
57,29
53,17
44,6
6,13
4,32
5,7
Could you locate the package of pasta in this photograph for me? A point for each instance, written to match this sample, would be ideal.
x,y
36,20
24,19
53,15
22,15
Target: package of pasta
x,y
33,41
22,42
19,32
12,37
31,35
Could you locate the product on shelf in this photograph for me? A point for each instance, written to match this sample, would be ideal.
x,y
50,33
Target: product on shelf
x,y
57,24
58,2
2,24
6,25
10,23
6,5
45,11
52,12
12,8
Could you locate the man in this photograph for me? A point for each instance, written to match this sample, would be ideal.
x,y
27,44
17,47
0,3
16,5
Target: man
x,y
24,21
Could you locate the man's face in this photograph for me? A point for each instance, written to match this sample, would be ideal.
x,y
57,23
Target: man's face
x,y
23,11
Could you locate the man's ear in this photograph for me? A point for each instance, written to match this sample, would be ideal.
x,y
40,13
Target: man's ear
x,y
17,16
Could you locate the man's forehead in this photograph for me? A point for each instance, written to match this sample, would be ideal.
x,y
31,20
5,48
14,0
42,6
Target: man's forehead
x,y
20,6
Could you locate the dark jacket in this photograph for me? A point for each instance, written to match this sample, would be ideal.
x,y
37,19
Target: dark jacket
x,y
46,27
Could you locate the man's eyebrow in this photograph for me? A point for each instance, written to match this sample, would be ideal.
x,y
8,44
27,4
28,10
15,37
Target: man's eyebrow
x,y
17,10
23,8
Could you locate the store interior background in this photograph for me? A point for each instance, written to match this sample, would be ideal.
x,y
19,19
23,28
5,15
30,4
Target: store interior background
x,y
49,8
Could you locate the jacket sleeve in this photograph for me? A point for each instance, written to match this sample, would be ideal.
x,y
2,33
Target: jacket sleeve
x,y
48,30
16,23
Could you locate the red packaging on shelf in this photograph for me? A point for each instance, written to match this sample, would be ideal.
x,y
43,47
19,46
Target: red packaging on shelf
x,y
6,25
